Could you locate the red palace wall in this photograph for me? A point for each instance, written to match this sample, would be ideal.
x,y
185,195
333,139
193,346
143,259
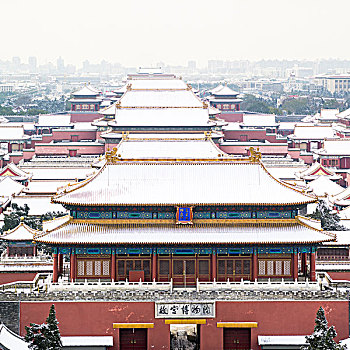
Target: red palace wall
x,y
63,149
265,150
59,135
16,276
338,275
83,117
273,317
231,117
249,134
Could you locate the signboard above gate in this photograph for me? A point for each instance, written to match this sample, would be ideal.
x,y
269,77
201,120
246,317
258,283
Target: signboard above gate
x,y
185,310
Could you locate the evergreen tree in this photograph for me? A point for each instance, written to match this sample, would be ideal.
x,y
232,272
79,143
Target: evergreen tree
x,y
18,213
329,221
53,335
36,336
322,337
14,218
45,336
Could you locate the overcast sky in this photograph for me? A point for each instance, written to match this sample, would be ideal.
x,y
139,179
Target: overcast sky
x,y
140,33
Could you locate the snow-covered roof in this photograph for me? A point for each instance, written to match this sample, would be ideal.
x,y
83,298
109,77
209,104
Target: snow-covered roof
x,y
284,172
12,170
316,170
59,173
259,120
155,84
169,183
345,213
213,111
86,90
84,126
312,132
44,186
50,225
110,110
287,125
328,114
160,98
9,187
38,205
345,114
10,340
323,186
344,195
61,120
184,234
335,147
161,117
9,132
169,148
22,232
223,90
85,341
281,340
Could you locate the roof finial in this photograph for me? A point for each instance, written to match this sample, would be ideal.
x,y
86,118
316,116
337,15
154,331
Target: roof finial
x,y
255,155
21,218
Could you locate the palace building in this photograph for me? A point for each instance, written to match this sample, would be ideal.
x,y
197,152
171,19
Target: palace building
x,y
173,242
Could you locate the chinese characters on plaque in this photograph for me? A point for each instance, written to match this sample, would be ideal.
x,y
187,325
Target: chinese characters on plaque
x,y
185,310
184,215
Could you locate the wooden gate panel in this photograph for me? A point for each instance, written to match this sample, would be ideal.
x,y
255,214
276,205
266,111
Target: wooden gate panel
x,y
133,339
236,338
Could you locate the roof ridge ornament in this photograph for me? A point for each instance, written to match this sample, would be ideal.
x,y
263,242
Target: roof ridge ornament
x,y
207,135
111,154
255,155
128,87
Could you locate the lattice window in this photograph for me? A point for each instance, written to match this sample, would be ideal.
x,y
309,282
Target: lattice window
x,y
229,267
178,267
146,267
80,268
129,266
279,267
270,267
221,267
97,268
246,267
190,267
262,267
105,268
121,267
138,265
89,268
286,265
203,267
238,267
164,267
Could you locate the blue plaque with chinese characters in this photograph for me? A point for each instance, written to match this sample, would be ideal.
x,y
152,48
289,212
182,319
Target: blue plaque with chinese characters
x,y
184,215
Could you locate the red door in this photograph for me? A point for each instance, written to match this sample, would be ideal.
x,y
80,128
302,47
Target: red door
x,y
236,338
133,339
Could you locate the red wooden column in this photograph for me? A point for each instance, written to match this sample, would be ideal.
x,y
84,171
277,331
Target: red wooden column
x,y
213,265
255,264
8,250
113,266
60,263
295,264
303,264
35,251
72,267
154,265
55,268
313,266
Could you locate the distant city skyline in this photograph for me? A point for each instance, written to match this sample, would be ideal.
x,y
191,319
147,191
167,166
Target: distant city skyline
x,y
144,33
